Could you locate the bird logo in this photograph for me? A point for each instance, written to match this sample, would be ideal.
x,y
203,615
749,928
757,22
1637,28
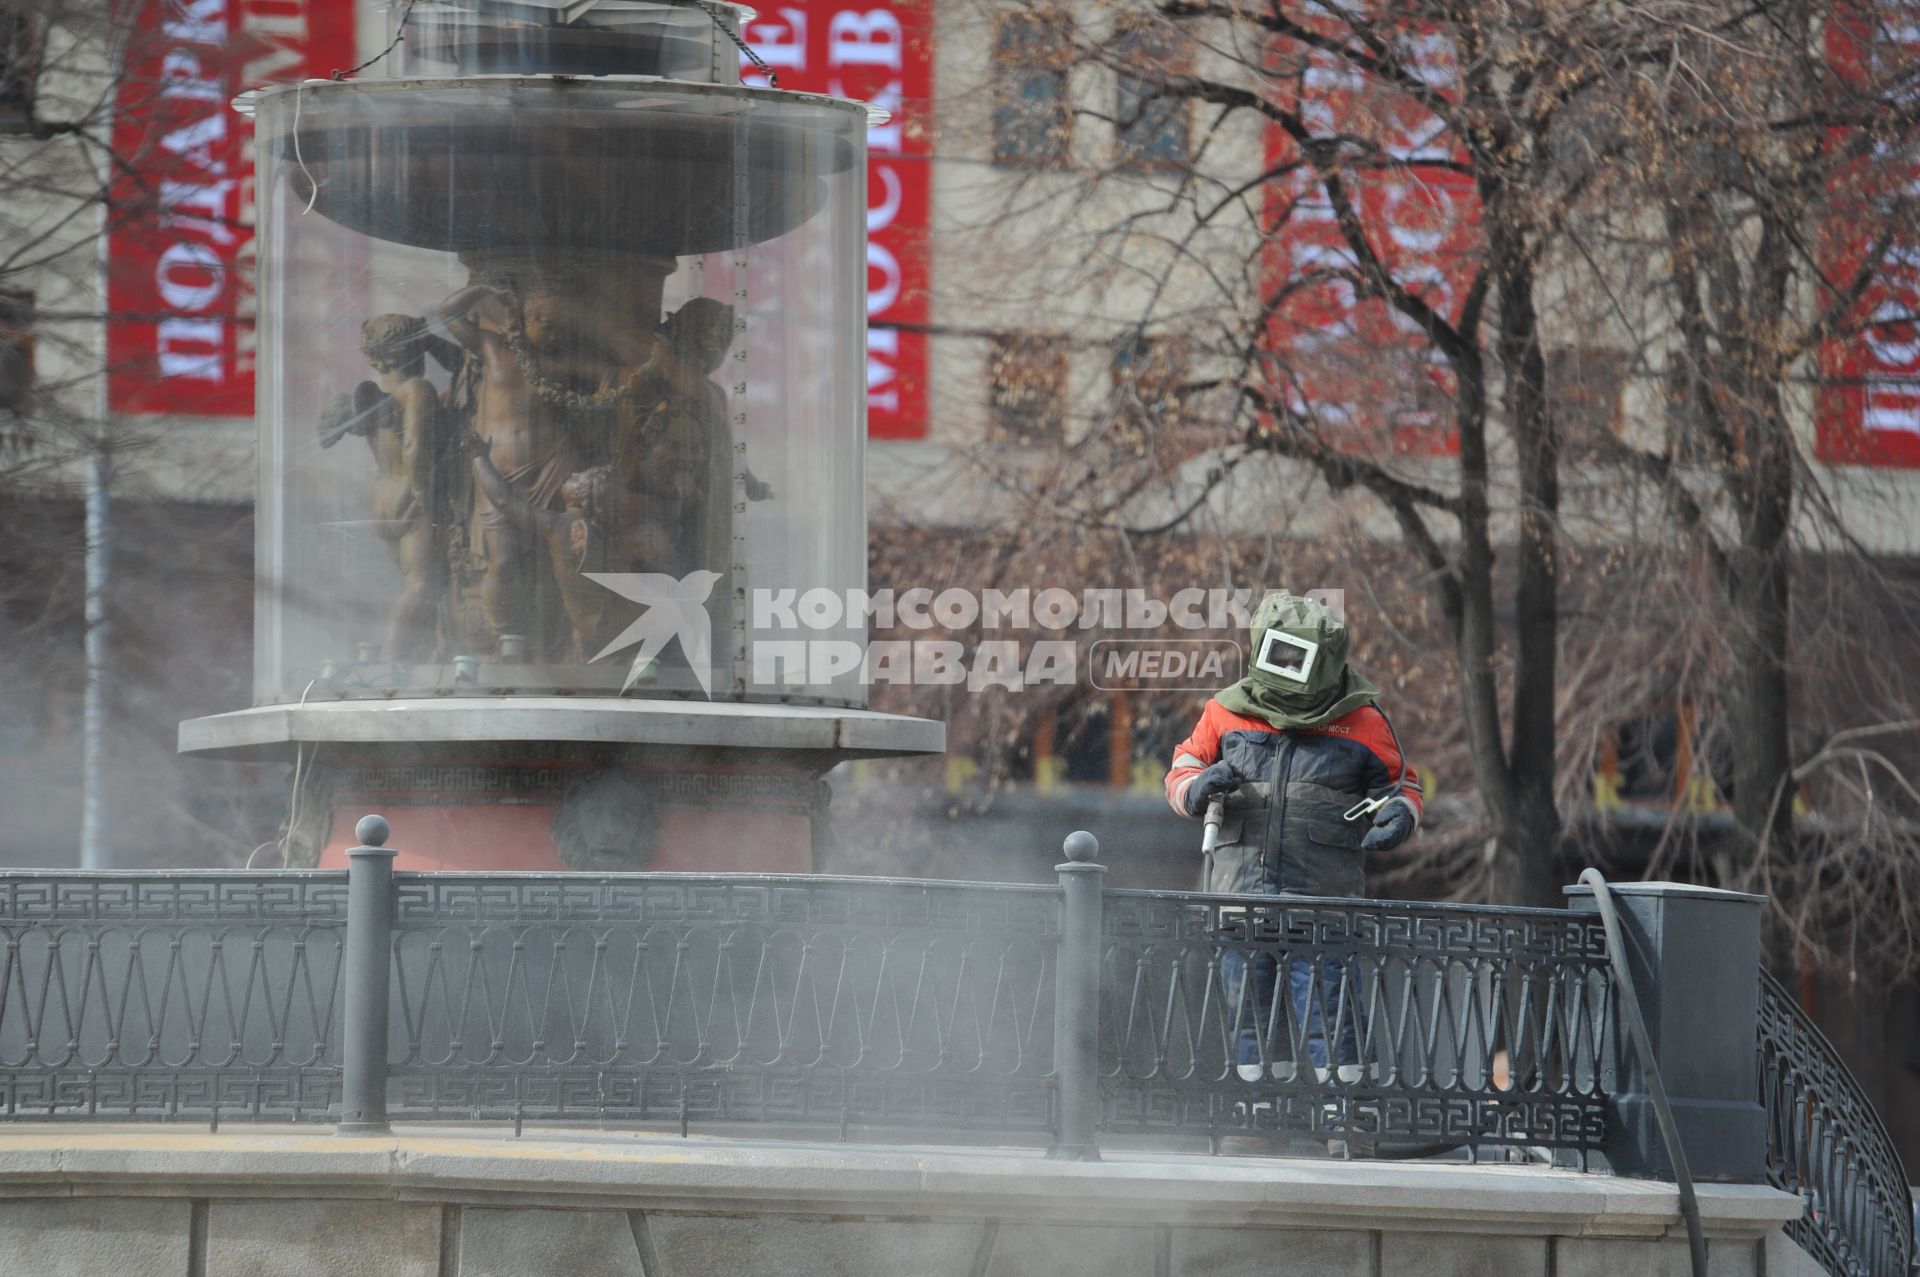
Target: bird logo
x,y
676,608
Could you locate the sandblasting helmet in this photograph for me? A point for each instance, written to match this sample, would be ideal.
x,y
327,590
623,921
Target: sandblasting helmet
x,y
1299,646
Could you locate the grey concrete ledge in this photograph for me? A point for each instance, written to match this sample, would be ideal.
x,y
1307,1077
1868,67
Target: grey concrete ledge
x,y
268,730
622,1171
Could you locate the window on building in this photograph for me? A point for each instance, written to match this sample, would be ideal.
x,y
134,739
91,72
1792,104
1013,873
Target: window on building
x,y
1032,121
1646,756
16,348
1027,387
19,68
1687,427
1672,755
1152,126
1587,385
1146,376
1084,741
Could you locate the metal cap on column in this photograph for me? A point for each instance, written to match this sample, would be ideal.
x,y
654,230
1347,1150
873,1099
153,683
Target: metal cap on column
x,y
1694,957
368,975
1076,1006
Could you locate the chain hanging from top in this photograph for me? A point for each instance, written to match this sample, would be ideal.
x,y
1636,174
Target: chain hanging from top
x,y
759,64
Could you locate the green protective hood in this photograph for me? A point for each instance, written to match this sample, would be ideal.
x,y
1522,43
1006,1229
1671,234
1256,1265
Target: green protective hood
x,y
1330,688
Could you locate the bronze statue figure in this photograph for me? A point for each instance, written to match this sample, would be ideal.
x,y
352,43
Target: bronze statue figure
x,y
555,452
399,415
596,530
527,442
673,453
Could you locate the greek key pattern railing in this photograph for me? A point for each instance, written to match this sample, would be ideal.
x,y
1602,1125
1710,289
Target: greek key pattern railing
x,y
1826,1143
810,1000
185,995
940,1009
1366,1021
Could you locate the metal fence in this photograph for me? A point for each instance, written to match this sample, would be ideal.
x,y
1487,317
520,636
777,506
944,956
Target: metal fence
x,y
878,1002
1056,1014
191,995
1826,1143
1364,1021
937,1008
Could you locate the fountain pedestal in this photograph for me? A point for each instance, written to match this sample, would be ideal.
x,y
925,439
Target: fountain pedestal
x,y
532,783
562,377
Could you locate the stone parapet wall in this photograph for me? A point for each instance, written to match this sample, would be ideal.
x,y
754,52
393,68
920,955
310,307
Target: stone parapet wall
x,y
153,1203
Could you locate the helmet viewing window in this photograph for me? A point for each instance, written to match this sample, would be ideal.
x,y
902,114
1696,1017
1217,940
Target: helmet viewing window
x,y
1289,657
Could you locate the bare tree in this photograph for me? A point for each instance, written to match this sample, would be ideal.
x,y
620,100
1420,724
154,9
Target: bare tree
x,y
1356,107
77,166
1659,172
1770,141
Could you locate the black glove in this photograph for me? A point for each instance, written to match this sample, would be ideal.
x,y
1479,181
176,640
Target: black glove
x,y
1217,779
1392,825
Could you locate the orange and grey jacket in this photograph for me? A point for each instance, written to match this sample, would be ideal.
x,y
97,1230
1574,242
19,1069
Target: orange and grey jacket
x,y
1286,827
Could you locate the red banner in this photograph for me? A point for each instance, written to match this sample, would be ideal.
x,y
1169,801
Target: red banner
x,y
1356,366
1867,412
883,54
180,335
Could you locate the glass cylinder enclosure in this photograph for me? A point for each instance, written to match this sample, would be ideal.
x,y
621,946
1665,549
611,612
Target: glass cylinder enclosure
x,y
555,375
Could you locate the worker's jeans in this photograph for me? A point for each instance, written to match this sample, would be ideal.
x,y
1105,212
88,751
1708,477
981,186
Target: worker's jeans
x,y
1306,1012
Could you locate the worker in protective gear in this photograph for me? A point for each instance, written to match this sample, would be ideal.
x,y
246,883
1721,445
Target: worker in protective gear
x,y
1313,779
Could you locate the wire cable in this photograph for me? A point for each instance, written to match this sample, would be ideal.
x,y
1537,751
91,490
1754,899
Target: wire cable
x,y
759,63
313,185
293,796
1398,748
1656,1085
399,34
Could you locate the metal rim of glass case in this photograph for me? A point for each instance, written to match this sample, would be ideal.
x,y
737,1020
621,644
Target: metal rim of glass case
x,y
264,730
247,103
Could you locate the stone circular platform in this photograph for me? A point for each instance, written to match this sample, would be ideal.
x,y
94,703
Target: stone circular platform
x,y
142,1202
